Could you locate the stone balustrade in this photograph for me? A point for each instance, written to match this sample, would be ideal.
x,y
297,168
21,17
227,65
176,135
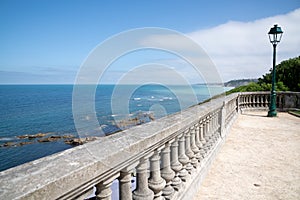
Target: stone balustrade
x,y
167,158
260,100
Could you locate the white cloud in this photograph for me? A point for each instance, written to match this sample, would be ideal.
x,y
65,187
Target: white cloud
x,y
243,50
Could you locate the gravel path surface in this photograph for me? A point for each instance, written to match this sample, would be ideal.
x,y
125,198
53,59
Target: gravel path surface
x,y
260,160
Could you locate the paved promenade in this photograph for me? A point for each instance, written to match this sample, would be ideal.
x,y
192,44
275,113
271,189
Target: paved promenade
x,y
260,160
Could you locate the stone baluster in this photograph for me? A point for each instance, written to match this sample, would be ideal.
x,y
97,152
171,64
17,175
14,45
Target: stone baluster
x,y
125,192
259,101
175,165
214,128
103,190
142,191
200,139
203,150
156,182
194,147
207,133
167,173
218,124
183,159
189,152
250,101
267,101
256,101
264,101
217,133
215,125
242,101
205,136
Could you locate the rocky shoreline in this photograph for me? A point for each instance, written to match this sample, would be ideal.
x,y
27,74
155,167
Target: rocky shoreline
x,y
47,137
70,139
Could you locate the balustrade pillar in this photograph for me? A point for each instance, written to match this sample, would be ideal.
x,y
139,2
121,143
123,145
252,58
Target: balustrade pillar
x,y
167,173
259,101
267,101
103,190
175,165
194,148
206,135
183,159
222,118
156,182
214,128
199,140
189,152
217,126
142,191
125,192
202,138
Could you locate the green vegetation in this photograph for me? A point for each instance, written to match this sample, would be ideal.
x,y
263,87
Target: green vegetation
x,y
287,78
295,112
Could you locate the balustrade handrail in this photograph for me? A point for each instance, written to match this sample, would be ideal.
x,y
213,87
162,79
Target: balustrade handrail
x,y
179,147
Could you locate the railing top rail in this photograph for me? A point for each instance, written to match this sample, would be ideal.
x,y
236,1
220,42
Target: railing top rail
x,y
268,92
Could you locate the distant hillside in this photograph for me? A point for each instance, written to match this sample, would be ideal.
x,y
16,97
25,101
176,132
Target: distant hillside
x,y
239,82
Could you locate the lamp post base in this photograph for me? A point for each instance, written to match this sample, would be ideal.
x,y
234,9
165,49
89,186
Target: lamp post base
x,y
272,113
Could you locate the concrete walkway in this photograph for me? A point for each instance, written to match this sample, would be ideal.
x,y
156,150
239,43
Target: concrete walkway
x,y
260,160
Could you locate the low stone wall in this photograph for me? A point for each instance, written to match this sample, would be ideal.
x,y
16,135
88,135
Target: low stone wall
x,y
169,157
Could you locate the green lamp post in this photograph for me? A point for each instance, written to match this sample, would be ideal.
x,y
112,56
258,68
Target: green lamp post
x,y
275,35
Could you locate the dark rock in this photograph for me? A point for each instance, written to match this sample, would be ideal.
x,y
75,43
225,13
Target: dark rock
x,y
75,141
80,141
68,136
50,139
22,136
24,143
38,135
9,144
55,137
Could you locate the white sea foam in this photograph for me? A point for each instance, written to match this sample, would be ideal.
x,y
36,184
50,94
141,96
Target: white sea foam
x,y
7,138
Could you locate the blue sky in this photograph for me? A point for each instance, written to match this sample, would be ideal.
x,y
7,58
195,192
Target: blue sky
x,y
47,41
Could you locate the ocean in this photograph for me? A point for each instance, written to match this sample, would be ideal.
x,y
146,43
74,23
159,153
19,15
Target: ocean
x,y
47,109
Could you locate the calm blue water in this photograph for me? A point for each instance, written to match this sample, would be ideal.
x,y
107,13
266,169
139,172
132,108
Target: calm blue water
x,y
31,109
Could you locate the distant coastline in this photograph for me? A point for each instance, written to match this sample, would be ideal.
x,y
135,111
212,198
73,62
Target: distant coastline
x,y
239,82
